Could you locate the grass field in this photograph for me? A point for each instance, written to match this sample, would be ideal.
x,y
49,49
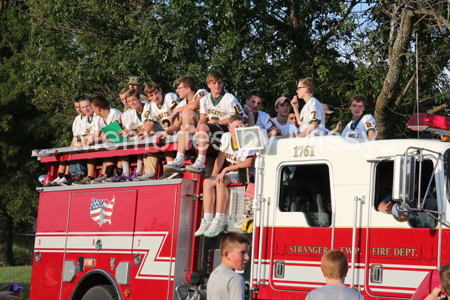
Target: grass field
x,y
21,275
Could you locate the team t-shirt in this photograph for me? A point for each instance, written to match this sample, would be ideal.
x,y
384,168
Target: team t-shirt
x,y
76,126
133,120
312,111
222,108
334,292
263,120
288,128
87,125
360,128
232,154
201,93
161,114
113,115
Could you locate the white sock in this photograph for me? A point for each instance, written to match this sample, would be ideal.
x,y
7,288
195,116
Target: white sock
x,y
201,158
140,167
180,157
126,169
208,216
220,216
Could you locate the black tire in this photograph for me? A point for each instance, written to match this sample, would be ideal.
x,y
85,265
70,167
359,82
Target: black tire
x,y
101,292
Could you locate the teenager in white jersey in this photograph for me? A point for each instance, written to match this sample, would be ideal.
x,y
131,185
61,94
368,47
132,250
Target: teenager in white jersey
x,y
360,127
75,168
87,128
132,124
254,102
187,111
284,127
161,110
215,111
105,115
326,113
233,159
311,119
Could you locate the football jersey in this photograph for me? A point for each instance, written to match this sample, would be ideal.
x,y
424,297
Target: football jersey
x,y
202,93
288,128
360,128
113,115
161,114
87,125
233,155
76,126
312,111
263,120
224,107
131,119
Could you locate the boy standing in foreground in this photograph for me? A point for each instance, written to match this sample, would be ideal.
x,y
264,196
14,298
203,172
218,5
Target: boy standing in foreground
x,y
224,283
360,127
441,291
311,119
334,268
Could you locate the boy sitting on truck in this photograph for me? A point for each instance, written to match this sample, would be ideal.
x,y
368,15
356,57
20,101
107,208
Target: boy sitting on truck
x,y
334,267
233,158
360,127
224,282
76,168
254,102
283,126
311,119
216,109
187,111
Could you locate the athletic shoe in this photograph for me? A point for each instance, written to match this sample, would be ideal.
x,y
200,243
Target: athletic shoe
x,y
174,166
64,181
215,229
198,167
78,178
170,175
203,227
146,176
111,179
85,180
119,178
54,182
134,175
99,179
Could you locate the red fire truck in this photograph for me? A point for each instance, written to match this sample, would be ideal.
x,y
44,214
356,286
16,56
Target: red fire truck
x,y
134,240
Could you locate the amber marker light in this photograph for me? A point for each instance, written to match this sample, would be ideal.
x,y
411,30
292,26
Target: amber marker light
x,y
127,293
445,139
89,262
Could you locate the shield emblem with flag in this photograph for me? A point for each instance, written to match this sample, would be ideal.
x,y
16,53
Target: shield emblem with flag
x,y
101,210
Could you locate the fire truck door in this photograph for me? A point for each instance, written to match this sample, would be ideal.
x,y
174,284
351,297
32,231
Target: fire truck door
x,y
399,255
102,222
301,231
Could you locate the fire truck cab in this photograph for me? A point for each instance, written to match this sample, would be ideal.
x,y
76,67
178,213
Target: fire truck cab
x,y
135,240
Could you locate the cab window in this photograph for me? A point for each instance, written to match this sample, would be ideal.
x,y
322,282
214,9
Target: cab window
x,y
383,192
306,189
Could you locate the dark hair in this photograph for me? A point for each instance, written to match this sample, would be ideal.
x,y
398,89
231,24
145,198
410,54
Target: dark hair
x,y
150,88
100,101
214,76
187,81
358,98
445,278
254,93
77,99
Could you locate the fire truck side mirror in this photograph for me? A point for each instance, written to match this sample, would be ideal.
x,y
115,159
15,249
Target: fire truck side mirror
x,y
251,138
404,178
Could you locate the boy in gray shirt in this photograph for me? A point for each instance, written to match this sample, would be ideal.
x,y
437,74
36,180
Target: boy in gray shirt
x,y
334,268
224,283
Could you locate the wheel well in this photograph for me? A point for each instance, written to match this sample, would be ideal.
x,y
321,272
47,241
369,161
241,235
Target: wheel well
x,y
91,279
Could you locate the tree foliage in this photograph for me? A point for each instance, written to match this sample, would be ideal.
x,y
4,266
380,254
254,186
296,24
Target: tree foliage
x,y
54,51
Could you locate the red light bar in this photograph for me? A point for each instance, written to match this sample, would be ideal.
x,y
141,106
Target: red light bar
x,y
429,122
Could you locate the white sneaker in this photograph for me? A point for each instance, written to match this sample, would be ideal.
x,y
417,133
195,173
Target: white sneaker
x,y
63,181
198,167
146,176
54,182
216,227
203,227
174,166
